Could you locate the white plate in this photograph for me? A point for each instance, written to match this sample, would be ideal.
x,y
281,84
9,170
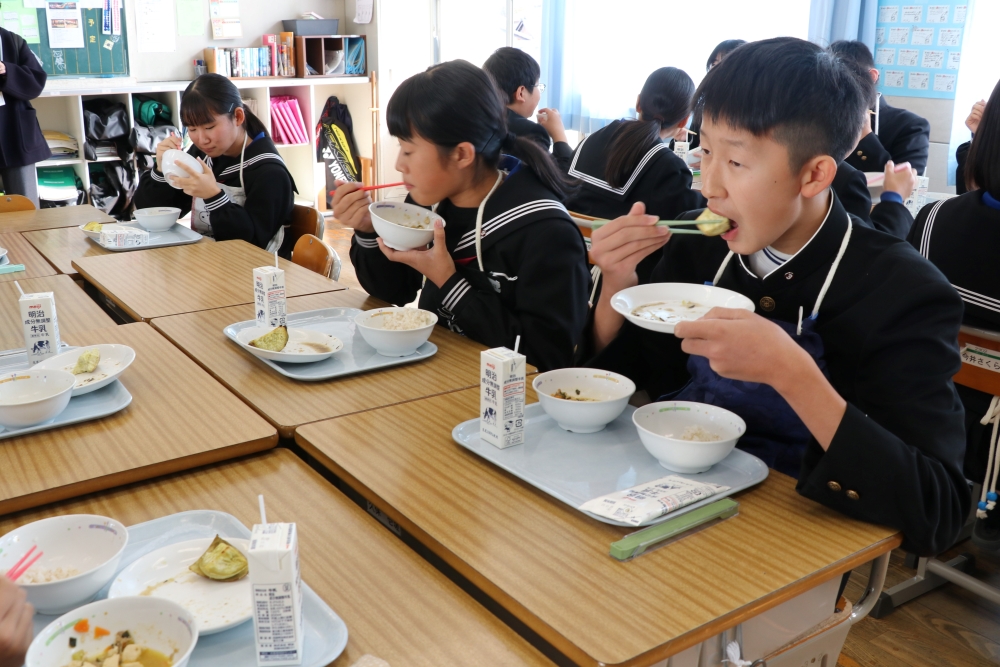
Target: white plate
x,y
164,573
303,345
3,252
632,298
108,226
114,360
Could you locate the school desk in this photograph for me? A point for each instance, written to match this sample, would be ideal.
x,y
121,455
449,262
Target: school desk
x,y
396,606
19,251
77,312
184,279
179,418
51,218
62,245
288,403
548,564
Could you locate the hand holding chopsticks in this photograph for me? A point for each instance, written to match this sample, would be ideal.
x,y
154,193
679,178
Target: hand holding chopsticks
x,y
20,567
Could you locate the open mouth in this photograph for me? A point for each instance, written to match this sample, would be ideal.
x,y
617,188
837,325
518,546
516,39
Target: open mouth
x,y
733,231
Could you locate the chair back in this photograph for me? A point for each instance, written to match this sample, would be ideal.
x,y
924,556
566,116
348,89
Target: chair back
x,y
305,220
980,360
11,203
311,253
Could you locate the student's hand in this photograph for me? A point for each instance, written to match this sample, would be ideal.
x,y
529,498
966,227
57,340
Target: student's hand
x,y
552,122
976,115
15,624
201,185
435,262
3,69
621,244
900,179
350,207
171,142
741,345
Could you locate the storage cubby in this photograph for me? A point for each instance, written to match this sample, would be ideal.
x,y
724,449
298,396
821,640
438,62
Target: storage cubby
x,y
311,52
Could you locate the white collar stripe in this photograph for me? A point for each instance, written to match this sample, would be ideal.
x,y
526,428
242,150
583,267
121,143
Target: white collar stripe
x,y
516,212
635,173
465,243
969,294
925,238
250,161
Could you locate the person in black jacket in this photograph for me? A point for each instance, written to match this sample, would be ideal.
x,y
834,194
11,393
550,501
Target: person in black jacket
x,y
889,215
962,152
823,373
961,235
898,135
721,50
516,75
21,141
244,191
510,262
628,161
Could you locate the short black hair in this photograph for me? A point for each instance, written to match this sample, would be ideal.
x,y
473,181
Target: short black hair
x,y
853,50
723,48
982,168
791,90
512,68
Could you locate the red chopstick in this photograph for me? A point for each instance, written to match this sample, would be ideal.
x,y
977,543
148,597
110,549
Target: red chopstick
x,y
25,557
15,572
376,187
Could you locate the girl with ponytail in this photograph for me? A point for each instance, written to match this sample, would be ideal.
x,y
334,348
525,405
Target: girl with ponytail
x,y
244,190
510,261
628,161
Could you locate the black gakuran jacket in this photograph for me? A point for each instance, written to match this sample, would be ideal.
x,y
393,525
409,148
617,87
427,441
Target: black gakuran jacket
x,y
21,140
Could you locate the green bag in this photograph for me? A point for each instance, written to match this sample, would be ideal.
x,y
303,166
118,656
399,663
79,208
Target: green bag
x,y
149,112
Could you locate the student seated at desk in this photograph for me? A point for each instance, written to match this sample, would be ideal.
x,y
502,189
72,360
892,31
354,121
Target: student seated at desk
x,y
628,160
510,261
823,372
516,75
898,135
961,235
245,191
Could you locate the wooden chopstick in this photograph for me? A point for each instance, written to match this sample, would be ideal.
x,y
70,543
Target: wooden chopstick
x,y
597,224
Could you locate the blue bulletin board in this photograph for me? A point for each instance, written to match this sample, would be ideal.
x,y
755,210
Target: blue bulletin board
x,y
918,46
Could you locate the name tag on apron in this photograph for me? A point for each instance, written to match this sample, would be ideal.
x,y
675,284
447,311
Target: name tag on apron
x,y
980,357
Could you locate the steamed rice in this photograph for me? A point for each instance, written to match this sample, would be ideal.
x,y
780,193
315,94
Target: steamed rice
x,y
699,434
44,575
401,320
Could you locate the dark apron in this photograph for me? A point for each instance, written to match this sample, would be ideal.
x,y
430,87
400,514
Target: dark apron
x,y
775,434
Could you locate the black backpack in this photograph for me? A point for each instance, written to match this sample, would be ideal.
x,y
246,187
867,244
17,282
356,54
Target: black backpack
x,y
335,146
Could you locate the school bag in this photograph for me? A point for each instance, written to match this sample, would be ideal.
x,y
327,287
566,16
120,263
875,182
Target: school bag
x,y
335,146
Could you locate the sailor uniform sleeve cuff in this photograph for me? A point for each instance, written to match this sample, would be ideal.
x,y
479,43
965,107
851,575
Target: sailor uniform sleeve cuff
x,y
891,196
367,240
157,175
217,201
453,291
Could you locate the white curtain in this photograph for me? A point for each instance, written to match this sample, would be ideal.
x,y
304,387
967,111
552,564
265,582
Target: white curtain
x,y
831,20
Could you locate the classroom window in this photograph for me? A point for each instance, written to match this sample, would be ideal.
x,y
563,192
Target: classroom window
x,y
471,30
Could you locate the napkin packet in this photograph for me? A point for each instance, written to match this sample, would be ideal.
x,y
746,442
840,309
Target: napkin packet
x,y
124,238
648,501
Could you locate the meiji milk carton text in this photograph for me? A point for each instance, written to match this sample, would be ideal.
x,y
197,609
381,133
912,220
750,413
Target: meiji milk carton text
x,y
501,397
41,330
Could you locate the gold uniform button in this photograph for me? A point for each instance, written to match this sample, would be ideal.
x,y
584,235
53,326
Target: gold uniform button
x,y
853,495
864,157
860,152
767,303
833,485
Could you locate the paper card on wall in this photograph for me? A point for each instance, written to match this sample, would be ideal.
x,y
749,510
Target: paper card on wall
x,y
880,35
14,25
919,80
899,35
34,4
64,25
960,12
154,21
944,82
888,14
913,14
923,36
191,17
893,78
109,45
954,58
949,36
885,56
908,57
938,13
226,29
932,59
224,9
364,11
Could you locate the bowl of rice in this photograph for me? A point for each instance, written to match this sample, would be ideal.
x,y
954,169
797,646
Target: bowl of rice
x,y
396,332
403,226
687,437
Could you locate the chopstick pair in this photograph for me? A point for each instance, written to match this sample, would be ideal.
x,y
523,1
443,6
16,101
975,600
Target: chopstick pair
x,y
20,567
597,224
376,187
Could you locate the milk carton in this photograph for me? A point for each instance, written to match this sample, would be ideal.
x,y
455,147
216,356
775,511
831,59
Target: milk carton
x,y
41,330
501,397
918,197
124,238
681,149
269,296
273,558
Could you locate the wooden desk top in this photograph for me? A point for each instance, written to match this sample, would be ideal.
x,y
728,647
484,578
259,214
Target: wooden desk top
x,y
184,279
19,251
288,403
548,563
396,606
61,246
51,218
179,418
77,312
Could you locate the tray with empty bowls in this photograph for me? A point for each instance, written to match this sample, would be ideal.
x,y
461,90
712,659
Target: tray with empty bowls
x,y
176,235
576,467
107,397
333,329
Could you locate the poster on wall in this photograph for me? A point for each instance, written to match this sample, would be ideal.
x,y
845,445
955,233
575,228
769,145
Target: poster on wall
x,y
918,47
64,24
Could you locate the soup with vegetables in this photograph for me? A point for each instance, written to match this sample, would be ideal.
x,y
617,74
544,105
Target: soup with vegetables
x,y
671,311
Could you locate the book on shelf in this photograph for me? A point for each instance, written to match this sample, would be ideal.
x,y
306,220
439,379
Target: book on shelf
x,y
274,57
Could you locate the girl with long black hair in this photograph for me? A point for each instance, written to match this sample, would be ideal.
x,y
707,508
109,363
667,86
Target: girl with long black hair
x,y
510,261
244,191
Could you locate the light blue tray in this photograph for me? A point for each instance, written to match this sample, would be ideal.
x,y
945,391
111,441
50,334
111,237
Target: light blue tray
x,y
101,403
356,357
176,235
325,632
577,467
